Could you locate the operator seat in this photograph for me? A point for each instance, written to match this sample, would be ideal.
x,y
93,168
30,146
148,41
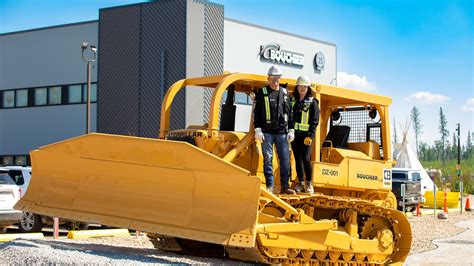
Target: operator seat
x,y
338,135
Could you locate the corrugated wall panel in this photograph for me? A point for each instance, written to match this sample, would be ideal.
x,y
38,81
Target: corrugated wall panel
x,y
213,39
146,48
118,94
205,54
163,61
213,47
195,61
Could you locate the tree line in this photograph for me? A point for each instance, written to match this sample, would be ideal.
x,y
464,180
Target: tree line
x,y
443,154
443,149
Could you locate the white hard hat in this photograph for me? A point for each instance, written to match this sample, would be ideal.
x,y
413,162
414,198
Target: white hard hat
x,y
274,71
303,81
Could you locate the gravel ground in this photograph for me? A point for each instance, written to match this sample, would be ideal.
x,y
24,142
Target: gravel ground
x,y
457,250
138,250
425,229
114,250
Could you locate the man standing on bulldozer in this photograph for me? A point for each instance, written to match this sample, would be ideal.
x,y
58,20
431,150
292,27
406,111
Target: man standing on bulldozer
x,y
273,123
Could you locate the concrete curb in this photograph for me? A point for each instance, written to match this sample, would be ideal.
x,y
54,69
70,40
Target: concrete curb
x,y
10,237
97,233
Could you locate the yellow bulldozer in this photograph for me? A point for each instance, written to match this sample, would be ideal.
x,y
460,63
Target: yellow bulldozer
x,y
201,190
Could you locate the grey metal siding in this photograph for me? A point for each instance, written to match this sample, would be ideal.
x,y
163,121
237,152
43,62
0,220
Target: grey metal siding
x,y
213,40
194,61
163,35
144,54
213,47
205,49
26,129
38,58
119,55
45,57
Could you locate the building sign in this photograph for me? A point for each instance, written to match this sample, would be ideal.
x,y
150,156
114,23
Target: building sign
x,y
272,52
319,61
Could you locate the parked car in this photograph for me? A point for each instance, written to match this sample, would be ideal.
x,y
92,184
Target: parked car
x,y
9,195
31,222
21,175
412,180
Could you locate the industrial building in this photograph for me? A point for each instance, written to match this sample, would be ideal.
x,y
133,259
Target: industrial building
x,y
142,50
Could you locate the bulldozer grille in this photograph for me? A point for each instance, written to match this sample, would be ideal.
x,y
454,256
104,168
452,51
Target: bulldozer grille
x,y
363,128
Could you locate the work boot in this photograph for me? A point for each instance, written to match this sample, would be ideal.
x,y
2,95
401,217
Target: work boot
x,y
287,190
299,187
270,189
309,187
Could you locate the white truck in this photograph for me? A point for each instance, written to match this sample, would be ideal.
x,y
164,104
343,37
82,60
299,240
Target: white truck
x,y
411,178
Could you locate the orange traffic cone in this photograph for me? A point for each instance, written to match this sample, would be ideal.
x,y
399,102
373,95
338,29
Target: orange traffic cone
x,y
468,205
418,212
445,202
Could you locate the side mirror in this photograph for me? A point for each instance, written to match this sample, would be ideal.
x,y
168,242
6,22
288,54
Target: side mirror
x,y
373,113
335,115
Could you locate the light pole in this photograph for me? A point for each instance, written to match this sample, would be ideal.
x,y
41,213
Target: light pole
x,y
84,47
458,166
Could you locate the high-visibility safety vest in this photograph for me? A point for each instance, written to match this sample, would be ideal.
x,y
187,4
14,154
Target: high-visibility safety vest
x,y
268,116
303,125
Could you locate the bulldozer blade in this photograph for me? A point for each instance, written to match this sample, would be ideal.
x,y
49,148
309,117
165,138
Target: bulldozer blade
x,y
161,186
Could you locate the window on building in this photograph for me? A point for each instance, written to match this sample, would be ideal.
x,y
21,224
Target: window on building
x,y
8,99
20,160
241,97
7,160
54,95
47,96
93,92
74,93
40,96
21,98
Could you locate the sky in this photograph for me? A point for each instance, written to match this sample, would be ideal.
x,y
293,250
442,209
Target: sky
x,y
419,52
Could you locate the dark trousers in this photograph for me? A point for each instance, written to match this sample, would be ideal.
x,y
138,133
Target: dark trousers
x,y
302,155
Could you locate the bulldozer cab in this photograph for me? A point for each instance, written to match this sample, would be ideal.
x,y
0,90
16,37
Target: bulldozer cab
x,y
352,147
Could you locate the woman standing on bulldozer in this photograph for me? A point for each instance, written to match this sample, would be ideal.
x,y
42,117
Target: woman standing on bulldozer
x,y
306,118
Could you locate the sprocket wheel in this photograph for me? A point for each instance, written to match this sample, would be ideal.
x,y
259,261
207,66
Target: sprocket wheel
x,y
385,238
380,228
372,226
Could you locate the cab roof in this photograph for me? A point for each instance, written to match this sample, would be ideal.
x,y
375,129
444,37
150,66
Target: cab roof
x,y
330,95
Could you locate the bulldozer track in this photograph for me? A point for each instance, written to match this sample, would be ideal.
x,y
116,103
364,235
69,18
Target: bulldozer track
x,y
364,208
